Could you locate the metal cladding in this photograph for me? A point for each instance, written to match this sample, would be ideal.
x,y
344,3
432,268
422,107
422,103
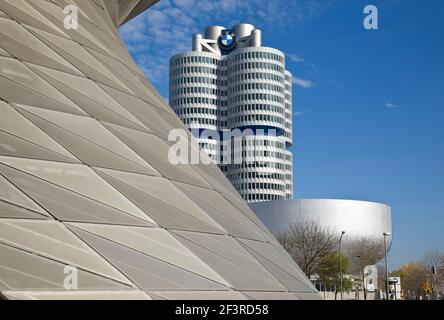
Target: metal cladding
x,y
90,206
359,219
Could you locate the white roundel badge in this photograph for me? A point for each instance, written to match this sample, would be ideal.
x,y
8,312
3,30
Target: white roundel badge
x,y
227,40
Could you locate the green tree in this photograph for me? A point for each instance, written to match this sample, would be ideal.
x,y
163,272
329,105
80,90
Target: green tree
x,y
417,278
413,279
329,272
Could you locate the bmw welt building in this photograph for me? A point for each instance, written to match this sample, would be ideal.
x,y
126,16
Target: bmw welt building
x,y
90,205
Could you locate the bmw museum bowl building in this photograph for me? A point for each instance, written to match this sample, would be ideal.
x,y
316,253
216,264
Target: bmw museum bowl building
x,y
359,219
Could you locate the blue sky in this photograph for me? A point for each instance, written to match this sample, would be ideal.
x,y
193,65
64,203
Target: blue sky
x,y
368,105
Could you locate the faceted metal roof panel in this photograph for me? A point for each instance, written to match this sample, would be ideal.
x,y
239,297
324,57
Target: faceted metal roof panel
x,y
85,180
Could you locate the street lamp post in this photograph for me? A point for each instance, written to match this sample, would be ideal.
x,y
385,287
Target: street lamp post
x,y
386,234
340,262
362,274
433,275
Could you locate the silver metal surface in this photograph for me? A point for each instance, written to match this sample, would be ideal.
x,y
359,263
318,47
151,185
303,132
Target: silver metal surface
x,y
357,218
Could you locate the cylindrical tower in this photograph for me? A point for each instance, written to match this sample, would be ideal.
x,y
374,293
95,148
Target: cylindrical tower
x,y
195,94
256,89
288,109
288,135
241,87
197,45
243,30
256,100
213,33
256,40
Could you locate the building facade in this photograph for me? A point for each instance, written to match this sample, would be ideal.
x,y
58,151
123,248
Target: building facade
x,y
359,219
230,83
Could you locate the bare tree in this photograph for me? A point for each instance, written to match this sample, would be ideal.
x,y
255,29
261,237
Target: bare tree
x,y
364,252
435,260
307,242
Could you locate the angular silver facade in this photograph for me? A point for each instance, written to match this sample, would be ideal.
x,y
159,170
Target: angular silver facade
x,y
85,182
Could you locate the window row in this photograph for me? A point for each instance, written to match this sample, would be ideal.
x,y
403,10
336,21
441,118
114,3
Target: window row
x,y
260,186
255,76
256,107
256,175
256,96
200,90
198,69
259,153
256,86
255,142
204,121
196,110
197,100
257,165
198,59
262,197
256,117
205,80
209,146
256,65
257,55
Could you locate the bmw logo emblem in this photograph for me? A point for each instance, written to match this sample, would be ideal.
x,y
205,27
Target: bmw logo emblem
x,y
227,40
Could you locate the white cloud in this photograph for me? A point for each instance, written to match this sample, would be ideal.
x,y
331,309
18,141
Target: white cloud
x,y
167,28
301,113
303,83
334,80
184,3
156,17
295,58
389,105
